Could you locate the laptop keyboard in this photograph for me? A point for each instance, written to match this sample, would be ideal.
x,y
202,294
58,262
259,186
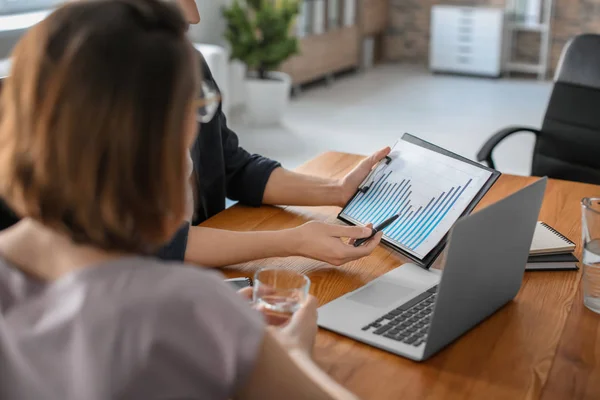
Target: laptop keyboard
x,y
409,322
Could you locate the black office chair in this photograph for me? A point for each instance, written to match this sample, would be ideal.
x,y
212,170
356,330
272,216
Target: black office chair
x,y
568,145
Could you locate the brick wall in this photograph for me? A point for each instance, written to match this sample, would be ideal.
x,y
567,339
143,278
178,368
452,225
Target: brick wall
x,y
407,38
572,17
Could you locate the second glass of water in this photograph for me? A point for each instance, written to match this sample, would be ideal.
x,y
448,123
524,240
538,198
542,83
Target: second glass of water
x,y
279,293
591,253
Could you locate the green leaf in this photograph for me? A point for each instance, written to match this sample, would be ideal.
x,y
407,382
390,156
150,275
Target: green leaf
x,y
258,32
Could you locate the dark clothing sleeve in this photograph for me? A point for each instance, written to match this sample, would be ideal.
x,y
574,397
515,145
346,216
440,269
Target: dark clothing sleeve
x,y
223,169
175,250
246,174
246,177
7,217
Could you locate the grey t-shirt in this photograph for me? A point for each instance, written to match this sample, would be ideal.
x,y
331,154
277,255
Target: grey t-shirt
x,y
134,328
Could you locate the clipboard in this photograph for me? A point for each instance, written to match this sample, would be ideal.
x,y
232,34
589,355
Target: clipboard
x,y
430,257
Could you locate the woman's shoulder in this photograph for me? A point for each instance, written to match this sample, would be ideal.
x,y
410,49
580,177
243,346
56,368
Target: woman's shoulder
x,y
168,295
191,321
154,279
167,316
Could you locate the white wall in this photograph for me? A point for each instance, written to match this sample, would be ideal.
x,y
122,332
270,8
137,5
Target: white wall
x,y
209,30
211,26
7,42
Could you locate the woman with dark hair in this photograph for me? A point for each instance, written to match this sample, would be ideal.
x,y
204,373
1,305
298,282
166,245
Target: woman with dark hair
x,y
224,169
97,118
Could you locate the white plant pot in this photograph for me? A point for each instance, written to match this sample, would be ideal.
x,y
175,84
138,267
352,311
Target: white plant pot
x,y
267,99
237,84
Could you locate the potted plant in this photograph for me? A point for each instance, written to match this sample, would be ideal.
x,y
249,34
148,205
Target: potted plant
x,y
259,34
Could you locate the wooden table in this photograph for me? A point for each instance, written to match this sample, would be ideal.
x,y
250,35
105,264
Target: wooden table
x,y
545,344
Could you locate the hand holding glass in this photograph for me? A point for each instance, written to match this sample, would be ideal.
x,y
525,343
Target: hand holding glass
x,y
279,293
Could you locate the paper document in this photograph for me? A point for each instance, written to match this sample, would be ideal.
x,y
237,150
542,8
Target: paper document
x,y
429,191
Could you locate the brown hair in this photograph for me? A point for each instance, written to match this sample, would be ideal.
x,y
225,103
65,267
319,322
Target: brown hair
x,y
92,123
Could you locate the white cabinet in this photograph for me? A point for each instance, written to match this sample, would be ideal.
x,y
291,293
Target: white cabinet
x,y
466,40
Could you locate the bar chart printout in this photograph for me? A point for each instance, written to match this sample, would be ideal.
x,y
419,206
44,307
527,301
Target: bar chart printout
x,y
428,190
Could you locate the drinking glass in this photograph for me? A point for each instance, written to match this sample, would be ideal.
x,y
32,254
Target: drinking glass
x,y
591,253
279,293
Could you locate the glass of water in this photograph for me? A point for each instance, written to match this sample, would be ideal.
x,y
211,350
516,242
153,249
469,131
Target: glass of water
x,y
591,253
279,293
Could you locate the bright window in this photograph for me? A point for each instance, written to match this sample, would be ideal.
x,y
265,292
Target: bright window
x,y
22,6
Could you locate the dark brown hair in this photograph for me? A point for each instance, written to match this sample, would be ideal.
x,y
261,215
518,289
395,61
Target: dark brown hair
x,y
92,123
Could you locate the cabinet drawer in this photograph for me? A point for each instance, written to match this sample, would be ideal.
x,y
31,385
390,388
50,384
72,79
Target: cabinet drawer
x,y
487,47
447,22
444,30
470,64
317,59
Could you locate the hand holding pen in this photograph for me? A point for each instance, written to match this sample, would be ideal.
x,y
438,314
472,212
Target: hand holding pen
x,y
376,230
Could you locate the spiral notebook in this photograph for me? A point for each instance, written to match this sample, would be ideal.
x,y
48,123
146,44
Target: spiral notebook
x,y
547,240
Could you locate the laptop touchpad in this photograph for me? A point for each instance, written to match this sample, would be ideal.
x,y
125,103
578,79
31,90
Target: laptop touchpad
x,y
380,294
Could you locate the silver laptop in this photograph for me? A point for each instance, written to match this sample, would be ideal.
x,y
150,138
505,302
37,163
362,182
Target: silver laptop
x,y
415,312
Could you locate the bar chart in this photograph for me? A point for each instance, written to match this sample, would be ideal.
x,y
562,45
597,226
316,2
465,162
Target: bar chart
x,y
427,191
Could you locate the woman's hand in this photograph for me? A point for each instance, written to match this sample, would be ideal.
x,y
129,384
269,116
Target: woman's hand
x,y
349,184
322,241
300,330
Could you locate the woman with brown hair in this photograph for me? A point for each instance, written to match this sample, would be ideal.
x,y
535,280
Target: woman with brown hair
x,y
220,168
96,120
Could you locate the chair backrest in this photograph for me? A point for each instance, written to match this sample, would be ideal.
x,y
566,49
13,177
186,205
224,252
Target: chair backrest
x,y
568,146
